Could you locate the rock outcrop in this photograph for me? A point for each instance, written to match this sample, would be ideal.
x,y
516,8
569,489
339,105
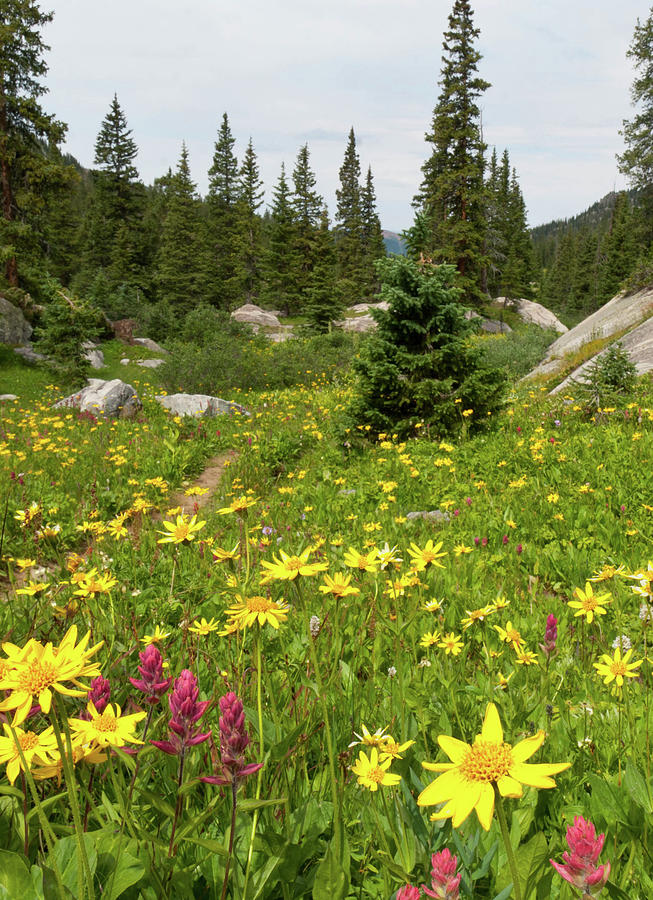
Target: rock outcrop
x,y
14,327
110,399
619,315
149,344
199,405
251,314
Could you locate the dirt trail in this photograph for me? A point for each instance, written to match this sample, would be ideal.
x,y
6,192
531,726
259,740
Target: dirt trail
x,y
209,479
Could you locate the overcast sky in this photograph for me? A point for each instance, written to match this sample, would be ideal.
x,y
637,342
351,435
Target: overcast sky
x,y
294,71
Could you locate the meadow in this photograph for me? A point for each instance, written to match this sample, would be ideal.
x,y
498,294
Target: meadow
x,y
237,701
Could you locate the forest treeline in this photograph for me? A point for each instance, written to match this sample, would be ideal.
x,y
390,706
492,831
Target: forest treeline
x,y
155,252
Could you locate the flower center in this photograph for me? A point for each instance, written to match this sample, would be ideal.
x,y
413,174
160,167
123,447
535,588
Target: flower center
x,y
589,603
513,636
258,604
294,564
362,562
28,741
37,678
486,761
377,775
181,532
106,722
618,668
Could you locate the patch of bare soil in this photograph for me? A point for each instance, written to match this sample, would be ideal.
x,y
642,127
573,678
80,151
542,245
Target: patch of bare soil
x,y
208,481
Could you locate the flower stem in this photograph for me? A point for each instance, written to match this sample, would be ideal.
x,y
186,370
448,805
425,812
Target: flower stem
x,y
178,804
234,791
505,834
259,706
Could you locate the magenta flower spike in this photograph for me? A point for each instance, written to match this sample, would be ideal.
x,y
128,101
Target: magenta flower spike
x,y
579,867
187,709
151,683
99,695
408,893
444,881
550,635
234,740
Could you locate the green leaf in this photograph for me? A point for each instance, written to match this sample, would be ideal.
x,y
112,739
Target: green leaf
x,y
15,878
250,805
65,855
636,786
531,858
214,846
158,803
332,875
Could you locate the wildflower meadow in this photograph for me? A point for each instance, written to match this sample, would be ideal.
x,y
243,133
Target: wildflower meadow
x,y
355,666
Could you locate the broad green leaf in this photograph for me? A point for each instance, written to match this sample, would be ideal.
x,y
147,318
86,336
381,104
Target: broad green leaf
x,y
15,877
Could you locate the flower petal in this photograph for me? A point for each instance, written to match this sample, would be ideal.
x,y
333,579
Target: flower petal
x,y
455,749
465,801
443,788
526,748
485,805
537,774
508,787
492,730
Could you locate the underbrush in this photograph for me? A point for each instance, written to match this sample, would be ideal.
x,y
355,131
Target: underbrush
x,y
226,363
518,351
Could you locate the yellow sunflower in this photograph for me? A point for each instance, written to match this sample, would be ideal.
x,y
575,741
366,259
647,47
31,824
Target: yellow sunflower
x,y
339,585
616,668
468,782
287,568
371,773
588,603
38,749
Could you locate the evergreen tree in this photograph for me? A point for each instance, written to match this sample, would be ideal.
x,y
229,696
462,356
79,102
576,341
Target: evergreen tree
x,y
307,210
224,280
115,220
373,243
181,258
349,227
281,260
419,366
325,302
28,173
619,250
452,190
250,201
637,160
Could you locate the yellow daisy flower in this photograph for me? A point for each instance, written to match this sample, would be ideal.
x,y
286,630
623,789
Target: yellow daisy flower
x,y
107,729
428,555
339,585
365,562
203,627
287,568
469,781
38,749
588,604
248,610
157,636
451,644
616,668
371,772
180,532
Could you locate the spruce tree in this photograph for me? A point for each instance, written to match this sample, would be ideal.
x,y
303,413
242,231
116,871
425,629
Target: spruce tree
x,y
115,220
325,302
225,276
307,210
373,243
282,262
619,250
637,160
452,190
419,366
249,225
28,173
181,258
349,227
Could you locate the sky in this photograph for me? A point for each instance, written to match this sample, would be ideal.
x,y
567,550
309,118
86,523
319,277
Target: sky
x,y
289,72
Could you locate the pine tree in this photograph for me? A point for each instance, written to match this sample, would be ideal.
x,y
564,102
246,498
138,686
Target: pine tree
x,y
115,219
325,302
307,210
27,172
452,190
249,225
637,160
373,243
349,227
281,260
224,278
181,258
619,250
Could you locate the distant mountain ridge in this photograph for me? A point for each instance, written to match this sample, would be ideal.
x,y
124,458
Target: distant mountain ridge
x,y
393,243
595,217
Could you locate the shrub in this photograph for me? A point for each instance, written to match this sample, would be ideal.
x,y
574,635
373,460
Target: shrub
x,y
517,352
66,322
613,373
